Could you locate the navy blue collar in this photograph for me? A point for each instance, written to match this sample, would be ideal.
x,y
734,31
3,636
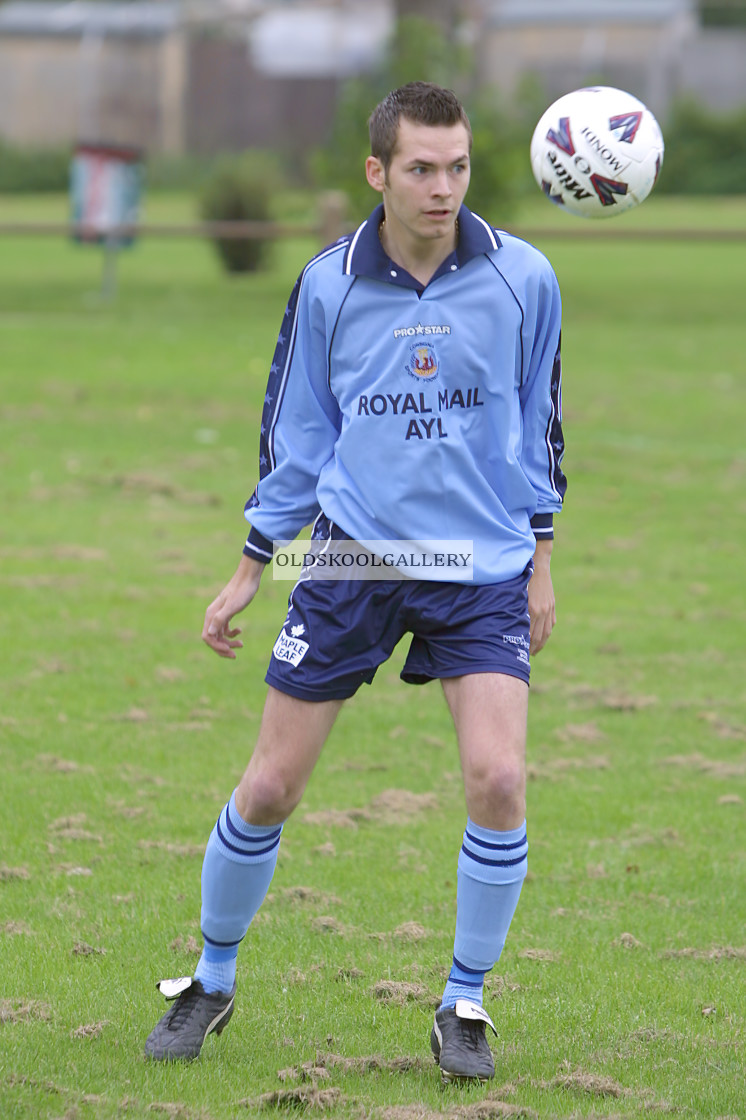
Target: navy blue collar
x,y
365,255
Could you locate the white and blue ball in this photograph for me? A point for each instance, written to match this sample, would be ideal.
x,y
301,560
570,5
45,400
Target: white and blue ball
x,y
597,152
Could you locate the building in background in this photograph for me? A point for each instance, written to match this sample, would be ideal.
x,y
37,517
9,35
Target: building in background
x,y
204,76
654,48
73,72
268,75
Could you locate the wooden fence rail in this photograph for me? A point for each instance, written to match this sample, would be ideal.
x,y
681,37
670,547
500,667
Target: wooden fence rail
x,y
326,234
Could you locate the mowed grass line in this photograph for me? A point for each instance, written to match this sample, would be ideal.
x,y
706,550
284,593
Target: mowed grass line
x,y
129,439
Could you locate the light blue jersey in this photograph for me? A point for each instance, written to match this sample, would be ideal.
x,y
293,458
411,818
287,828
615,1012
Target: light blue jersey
x,y
411,413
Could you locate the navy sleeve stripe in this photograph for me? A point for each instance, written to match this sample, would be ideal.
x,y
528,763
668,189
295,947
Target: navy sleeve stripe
x,y
553,437
543,526
279,370
258,546
262,557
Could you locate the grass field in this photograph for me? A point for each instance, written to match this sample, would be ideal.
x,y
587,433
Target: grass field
x,y
128,447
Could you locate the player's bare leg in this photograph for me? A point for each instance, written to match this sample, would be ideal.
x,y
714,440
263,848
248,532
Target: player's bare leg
x,y
489,713
291,737
238,867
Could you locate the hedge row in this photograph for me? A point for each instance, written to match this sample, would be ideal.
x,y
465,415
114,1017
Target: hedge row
x,y
705,154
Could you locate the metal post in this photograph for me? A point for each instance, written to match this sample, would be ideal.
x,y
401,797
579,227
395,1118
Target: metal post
x,y
109,271
332,215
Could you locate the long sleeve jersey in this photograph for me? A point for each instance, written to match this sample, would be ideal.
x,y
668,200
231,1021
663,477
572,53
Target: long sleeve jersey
x,y
410,412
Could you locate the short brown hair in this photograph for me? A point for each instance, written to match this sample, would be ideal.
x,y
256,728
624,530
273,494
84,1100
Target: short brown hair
x,y
419,102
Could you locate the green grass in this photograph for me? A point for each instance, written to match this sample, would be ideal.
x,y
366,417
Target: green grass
x,y
128,442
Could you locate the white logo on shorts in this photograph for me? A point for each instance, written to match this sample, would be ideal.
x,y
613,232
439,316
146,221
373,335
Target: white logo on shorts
x,y
292,650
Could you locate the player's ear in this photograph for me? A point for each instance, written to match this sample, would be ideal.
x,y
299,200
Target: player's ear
x,y
374,173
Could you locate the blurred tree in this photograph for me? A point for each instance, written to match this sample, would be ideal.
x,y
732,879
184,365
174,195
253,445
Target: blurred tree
x,y
722,13
442,12
420,50
705,151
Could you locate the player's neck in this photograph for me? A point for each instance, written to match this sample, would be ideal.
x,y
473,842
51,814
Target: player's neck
x,y
419,256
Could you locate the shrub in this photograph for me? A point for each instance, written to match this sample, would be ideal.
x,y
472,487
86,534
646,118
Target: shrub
x,y
500,165
187,172
240,189
722,13
29,170
705,151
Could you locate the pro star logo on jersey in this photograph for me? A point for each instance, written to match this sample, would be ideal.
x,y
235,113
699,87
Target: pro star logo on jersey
x,y
625,125
423,363
561,137
422,329
290,649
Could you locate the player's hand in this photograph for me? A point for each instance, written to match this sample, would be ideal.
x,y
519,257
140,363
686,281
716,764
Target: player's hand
x,y
541,607
218,632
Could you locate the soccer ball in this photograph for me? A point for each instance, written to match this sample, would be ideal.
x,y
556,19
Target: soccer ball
x,y
597,152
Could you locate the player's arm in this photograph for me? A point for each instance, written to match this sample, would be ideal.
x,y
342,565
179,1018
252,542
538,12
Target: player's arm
x,y
218,632
543,447
541,606
540,397
301,422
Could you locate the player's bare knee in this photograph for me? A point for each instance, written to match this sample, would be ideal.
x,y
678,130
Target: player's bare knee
x,y
500,786
508,783
267,796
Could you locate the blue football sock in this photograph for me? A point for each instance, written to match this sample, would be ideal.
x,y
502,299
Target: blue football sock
x,y
217,973
491,869
239,863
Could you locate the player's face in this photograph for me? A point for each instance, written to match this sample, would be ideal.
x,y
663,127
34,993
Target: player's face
x,y
426,180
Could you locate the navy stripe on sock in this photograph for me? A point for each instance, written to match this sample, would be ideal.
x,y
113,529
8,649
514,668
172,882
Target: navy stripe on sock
x,y
249,839
219,944
465,968
493,862
243,851
466,983
496,847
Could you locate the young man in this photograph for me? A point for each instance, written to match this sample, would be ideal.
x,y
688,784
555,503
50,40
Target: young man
x,y
414,396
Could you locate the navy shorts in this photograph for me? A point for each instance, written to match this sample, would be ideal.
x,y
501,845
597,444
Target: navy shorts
x,y
337,633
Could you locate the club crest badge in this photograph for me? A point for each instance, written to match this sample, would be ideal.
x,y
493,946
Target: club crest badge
x,y
423,362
